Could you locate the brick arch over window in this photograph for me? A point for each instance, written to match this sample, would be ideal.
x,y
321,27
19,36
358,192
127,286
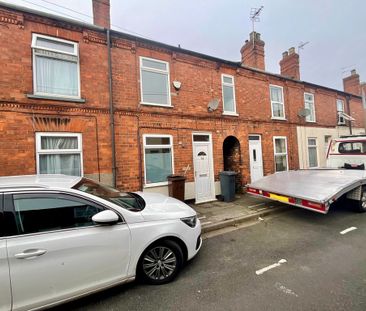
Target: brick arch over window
x,y
232,159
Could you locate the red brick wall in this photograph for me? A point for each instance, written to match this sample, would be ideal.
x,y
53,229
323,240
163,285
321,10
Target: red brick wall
x,y
21,117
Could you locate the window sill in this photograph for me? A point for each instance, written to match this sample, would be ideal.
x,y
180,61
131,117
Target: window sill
x,y
230,114
279,119
156,105
310,121
56,98
160,184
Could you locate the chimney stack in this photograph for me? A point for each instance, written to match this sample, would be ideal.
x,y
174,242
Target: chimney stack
x,y
351,84
252,52
101,13
290,64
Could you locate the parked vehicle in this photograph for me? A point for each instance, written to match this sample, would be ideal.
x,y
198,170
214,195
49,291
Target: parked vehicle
x,y
318,189
64,237
347,152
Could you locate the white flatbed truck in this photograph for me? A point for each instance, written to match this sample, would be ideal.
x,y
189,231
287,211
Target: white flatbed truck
x,y
313,189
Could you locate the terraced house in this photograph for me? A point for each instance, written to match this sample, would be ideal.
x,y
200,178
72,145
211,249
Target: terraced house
x,y
82,99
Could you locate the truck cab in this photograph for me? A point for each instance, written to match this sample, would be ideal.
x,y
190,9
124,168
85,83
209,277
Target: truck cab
x,y
347,152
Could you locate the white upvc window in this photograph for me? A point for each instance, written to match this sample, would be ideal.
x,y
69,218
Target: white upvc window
x,y
228,94
158,158
312,152
56,71
280,153
309,104
154,81
59,153
277,102
340,111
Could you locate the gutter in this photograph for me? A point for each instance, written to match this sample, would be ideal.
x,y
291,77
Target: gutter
x,y
111,110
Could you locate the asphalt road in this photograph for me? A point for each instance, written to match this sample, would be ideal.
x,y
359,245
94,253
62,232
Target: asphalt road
x,y
324,270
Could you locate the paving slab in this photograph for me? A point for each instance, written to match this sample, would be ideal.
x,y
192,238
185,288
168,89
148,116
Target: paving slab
x,y
219,214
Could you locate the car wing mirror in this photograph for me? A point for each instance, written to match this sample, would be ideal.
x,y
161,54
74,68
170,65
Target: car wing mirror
x,y
107,217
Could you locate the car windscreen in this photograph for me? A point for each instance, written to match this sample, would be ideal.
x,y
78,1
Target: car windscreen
x,y
130,201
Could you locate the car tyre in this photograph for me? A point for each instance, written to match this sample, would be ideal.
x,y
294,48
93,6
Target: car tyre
x,y
161,262
361,208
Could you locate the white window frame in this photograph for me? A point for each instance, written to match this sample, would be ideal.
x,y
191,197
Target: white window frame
x,y
307,118
171,146
232,85
316,149
39,150
279,154
276,102
339,118
34,53
166,72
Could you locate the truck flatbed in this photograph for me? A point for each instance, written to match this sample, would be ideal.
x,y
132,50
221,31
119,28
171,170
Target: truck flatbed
x,y
313,189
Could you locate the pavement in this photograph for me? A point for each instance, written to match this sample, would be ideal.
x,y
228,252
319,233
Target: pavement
x,y
245,208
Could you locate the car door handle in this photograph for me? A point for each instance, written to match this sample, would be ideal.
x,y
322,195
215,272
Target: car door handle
x,y
29,253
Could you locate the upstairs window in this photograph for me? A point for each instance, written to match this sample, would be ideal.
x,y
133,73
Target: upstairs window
x,y
340,111
277,104
55,67
228,94
309,104
59,153
155,83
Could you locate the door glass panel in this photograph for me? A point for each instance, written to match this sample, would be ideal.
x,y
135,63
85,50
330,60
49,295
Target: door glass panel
x,y
201,138
254,155
38,213
254,138
202,154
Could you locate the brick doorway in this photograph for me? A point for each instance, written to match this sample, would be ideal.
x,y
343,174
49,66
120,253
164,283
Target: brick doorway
x,y
232,159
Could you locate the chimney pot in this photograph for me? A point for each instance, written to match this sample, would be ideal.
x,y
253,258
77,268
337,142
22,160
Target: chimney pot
x,y
284,54
353,72
291,50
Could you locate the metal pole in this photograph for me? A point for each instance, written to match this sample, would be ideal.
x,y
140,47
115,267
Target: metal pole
x,y
111,110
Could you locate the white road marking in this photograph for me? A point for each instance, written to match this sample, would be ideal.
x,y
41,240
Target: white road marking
x,y
206,223
251,206
285,290
275,265
202,217
348,230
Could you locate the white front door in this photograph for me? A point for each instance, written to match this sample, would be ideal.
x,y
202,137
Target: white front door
x,y
59,252
203,168
255,157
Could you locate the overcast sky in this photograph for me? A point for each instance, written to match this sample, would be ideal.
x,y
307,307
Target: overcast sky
x,y
335,29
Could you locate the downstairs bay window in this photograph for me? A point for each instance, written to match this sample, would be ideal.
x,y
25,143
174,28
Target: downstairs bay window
x,y
280,153
59,153
158,158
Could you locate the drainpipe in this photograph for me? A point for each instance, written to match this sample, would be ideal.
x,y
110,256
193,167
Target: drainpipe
x,y
349,113
111,110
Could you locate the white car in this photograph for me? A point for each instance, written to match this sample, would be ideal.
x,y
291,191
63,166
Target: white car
x,y
64,237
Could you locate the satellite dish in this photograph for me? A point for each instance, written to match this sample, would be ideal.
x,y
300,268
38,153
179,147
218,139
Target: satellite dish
x,y
213,104
304,112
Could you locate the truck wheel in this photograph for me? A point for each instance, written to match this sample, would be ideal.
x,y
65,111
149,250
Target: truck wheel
x,y
362,202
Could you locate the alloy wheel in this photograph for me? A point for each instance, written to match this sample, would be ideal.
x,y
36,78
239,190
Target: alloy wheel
x,y
159,263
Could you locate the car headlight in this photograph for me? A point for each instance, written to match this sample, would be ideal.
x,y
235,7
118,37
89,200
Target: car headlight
x,y
190,221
